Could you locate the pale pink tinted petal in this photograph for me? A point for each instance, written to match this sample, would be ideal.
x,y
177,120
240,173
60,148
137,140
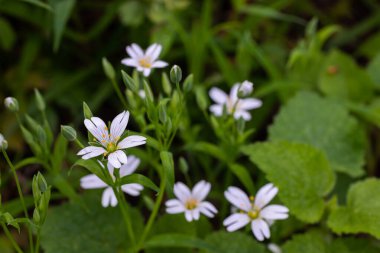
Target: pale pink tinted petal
x,y
132,189
250,103
243,114
92,182
132,141
91,151
218,95
265,195
216,109
137,50
159,64
260,229
182,192
130,62
130,167
109,198
188,215
201,190
238,198
236,221
146,72
274,212
119,124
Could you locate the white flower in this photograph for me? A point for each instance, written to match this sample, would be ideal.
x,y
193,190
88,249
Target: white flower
x,y
274,248
144,61
234,105
11,103
254,210
109,198
245,89
3,142
109,140
191,202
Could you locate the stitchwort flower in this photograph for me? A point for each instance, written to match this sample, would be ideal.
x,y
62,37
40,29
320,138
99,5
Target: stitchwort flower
x,y
234,105
109,140
191,202
109,198
144,61
254,210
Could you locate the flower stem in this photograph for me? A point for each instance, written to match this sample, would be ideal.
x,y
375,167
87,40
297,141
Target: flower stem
x,y
119,94
10,237
21,197
37,249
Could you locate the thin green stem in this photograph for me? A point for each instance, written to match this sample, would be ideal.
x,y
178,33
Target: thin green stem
x,y
153,214
37,249
10,237
119,94
21,196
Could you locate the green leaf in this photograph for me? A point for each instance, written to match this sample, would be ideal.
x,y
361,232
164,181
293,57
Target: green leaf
x,y
326,125
38,4
311,242
208,148
243,175
238,242
301,173
139,179
361,214
93,167
168,164
8,35
373,70
353,245
62,10
341,77
59,153
93,229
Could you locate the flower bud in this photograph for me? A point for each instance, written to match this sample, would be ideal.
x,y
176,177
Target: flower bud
x,y
40,101
3,142
176,74
11,104
245,89
87,111
69,133
108,69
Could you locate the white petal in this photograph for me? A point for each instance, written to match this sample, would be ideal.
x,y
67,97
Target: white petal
x,y
138,52
109,198
274,212
130,167
132,189
201,190
236,221
219,96
182,192
132,141
153,51
207,209
117,158
92,182
265,195
234,92
159,64
216,109
250,103
130,62
118,125
274,248
195,213
175,209
260,229
188,215
91,151
238,198
146,72
241,113
97,128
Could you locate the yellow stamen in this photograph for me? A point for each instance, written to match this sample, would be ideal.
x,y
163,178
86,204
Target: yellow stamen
x,y
251,198
145,63
253,214
191,204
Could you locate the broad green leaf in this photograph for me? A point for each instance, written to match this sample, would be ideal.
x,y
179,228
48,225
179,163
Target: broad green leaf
x,y
72,228
373,70
93,167
168,164
311,242
353,245
327,126
61,13
139,179
341,77
301,172
226,242
361,214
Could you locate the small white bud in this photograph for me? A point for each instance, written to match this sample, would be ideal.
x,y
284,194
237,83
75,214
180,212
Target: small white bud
x,y
245,89
176,74
3,142
11,104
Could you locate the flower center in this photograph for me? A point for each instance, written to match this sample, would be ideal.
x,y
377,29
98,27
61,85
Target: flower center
x,y
111,147
145,63
191,204
253,214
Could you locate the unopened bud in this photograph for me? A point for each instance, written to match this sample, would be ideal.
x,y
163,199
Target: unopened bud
x,y
176,74
3,142
40,101
86,111
11,104
108,69
245,89
69,133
